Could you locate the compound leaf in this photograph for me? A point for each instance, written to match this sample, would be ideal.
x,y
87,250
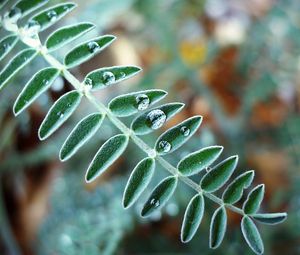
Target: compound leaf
x,y
87,50
7,44
61,110
138,181
155,118
217,227
107,76
270,218
108,153
51,15
251,235
176,136
82,132
39,83
234,191
67,34
199,160
160,195
192,218
254,199
15,65
219,175
129,104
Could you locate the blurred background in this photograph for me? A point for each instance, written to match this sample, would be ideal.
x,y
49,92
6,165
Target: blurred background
x,y
236,63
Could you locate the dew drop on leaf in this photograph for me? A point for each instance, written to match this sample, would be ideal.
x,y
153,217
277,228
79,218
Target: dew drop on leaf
x,y
154,202
14,14
88,82
32,27
156,118
93,46
122,75
52,15
142,101
108,78
185,131
165,146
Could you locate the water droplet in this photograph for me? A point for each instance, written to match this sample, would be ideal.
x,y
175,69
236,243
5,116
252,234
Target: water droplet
x,y
108,78
207,169
88,82
5,46
52,15
93,46
60,114
45,82
156,118
122,75
185,131
142,101
66,8
14,14
32,27
154,202
165,146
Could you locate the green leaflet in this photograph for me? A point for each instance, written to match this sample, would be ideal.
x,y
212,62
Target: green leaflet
x,y
270,218
87,50
155,118
67,34
82,132
28,6
199,160
108,153
15,65
129,104
192,218
219,175
7,44
53,14
251,235
160,195
107,76
176,136
61,110
234,190
39,83
254,199
138,181
218,226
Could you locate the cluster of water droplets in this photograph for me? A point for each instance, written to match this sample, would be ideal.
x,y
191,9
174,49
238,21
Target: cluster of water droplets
x,y
30,32
156,118
165,146
142,102
108,78
93,46
11,18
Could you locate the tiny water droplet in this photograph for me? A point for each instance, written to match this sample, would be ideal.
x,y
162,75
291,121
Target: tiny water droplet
x,y
108,78
122,75
154,202
165,146
185,131
5,46
66,8
93,46
14,14
60,114
156,118
142,101
45,82
52,15
88,82
207,169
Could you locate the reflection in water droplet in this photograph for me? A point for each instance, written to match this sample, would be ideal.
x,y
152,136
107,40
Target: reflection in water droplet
x,y
52,15
156,118
108,78
165,146
93,46
185,131
142,101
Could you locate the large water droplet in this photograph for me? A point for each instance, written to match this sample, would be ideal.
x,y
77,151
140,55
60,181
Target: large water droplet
x,y
154,202
165,146
32,27
142,102
185,131
52,15
108,78
93,46
156,118
14,14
